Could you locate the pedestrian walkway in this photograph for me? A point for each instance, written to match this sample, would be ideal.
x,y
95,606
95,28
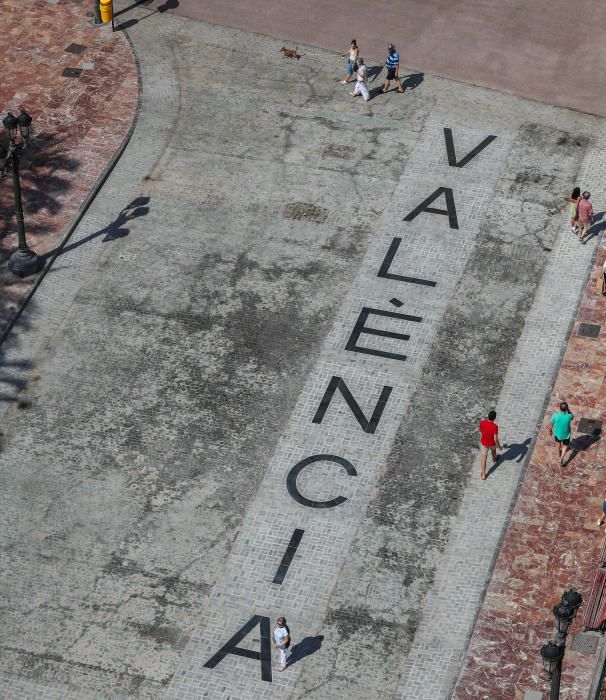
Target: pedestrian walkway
x,y
79,84
553,541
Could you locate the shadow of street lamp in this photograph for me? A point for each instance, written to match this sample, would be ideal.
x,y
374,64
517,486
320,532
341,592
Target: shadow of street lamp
x,y
23,261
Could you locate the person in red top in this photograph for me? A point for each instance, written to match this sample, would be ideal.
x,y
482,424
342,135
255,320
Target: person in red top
x,y
489,440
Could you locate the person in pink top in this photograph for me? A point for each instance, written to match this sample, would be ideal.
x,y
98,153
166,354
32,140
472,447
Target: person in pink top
x,y
585,211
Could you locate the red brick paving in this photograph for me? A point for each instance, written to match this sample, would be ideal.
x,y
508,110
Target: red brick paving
x,y
79,123
552,542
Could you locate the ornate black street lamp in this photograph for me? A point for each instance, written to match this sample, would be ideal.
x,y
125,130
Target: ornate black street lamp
x,y
552,653
23,261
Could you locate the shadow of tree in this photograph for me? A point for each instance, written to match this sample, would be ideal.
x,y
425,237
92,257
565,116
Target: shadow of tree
x,y
44,170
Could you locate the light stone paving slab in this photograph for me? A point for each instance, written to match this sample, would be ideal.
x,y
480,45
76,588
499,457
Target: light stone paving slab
x,y
245,588
451,607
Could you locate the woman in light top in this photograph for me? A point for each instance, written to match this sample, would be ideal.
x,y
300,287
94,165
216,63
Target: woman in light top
x,y
572,203
352,61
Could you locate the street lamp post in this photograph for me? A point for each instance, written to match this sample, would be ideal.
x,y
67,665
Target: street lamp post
x,y
23,261
552,653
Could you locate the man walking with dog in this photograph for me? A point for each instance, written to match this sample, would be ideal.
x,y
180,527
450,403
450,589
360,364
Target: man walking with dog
x,y
392,63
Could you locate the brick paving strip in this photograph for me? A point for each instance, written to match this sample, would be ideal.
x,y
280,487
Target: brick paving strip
x,y
79,122
553,541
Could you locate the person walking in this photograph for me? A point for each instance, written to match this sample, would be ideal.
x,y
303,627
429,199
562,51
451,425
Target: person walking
x,y
489,440
352,61
282,640
602,513
361,87
585,210
392,63
559,427
572,203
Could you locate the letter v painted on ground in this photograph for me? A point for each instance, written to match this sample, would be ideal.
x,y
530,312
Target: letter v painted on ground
x,y
451,153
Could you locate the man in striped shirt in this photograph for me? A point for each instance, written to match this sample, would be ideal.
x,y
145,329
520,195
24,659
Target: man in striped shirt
x,y
392,64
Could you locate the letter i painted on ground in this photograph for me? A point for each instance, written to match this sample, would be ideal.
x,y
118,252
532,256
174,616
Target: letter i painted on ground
x,y
289,554
230,647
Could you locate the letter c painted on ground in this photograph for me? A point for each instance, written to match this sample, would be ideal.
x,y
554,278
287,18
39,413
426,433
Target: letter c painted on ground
x,y
291,480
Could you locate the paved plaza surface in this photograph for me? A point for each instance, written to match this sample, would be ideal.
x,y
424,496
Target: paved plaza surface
x,y
318,300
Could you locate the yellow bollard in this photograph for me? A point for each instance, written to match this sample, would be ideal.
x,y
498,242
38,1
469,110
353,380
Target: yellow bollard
x,y
107,11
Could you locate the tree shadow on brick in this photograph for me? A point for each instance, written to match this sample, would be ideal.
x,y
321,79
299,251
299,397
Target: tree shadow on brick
x,y
43,184
43,169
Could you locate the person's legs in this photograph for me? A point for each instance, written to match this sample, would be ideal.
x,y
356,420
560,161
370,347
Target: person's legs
x,y
495,456
386,85
399,84
564,450
602,514
484,455
283,652
364,92
583,230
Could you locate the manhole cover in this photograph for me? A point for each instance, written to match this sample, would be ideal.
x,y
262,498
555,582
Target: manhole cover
x,y
71,72
584,643
335,151
75,48
590,426
303,211
589,330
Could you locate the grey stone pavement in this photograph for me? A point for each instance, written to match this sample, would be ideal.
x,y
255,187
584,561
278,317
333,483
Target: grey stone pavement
x,y
173,369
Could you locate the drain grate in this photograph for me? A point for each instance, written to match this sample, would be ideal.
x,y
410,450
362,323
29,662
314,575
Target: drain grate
x,y
589,330
333,150
304,211
590,426
75,48
584,643
72,72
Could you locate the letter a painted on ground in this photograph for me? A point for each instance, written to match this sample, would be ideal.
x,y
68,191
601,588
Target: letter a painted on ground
x,y
450,211
264,655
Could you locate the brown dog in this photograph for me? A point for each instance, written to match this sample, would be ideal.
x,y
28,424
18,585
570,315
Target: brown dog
x,y
290,53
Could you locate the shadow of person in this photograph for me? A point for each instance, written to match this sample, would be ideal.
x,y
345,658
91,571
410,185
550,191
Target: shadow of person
x,y
513,453
598,225
413,80
581,444
306,647
373,73
168,5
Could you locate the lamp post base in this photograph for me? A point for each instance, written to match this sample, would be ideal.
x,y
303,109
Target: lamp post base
x,y
24,262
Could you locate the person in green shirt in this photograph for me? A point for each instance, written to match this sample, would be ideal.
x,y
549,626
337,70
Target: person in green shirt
x,y
559,427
